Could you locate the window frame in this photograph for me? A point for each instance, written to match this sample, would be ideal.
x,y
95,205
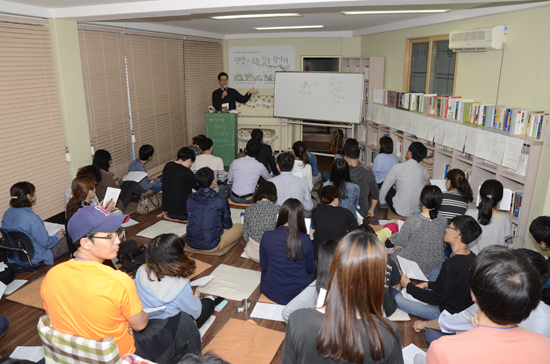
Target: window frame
x,y
408,58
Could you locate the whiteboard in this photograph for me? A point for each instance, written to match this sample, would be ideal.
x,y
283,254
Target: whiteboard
x,y
325,96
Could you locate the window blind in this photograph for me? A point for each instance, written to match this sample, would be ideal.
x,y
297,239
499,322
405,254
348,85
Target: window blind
x,y
104,68
156,89
203,63
31,137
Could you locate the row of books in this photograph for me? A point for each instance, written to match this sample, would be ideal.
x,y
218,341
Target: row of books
x,y
496,117
517,198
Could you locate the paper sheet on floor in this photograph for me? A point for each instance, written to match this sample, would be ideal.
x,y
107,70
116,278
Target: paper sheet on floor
x,y
130,222
268,311
163,227
14,286
232,283
411,351
411,269
236,215
31,353
399,315
202,281
204,328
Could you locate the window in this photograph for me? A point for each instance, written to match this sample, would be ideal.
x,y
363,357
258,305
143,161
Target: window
x,y
31,141
430,66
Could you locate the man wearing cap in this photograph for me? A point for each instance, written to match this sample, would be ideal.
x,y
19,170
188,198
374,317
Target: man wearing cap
x,y
86,298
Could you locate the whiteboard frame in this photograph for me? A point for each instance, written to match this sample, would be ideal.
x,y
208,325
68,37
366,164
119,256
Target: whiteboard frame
x,y
330,121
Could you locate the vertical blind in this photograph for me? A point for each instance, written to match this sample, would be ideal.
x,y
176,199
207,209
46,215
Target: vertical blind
x,y
31,137
166,80
104,68
203,63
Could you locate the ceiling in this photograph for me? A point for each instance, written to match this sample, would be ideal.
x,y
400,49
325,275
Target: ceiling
x,y
193,17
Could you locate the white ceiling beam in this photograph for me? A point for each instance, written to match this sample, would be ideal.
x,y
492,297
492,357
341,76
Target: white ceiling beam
x,y
8,7
296,34
154,27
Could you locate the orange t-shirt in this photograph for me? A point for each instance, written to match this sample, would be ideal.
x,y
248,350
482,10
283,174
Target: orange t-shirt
x,y
91,300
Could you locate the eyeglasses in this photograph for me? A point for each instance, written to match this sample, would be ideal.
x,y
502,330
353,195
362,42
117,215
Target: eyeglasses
x,y
450,227
119,234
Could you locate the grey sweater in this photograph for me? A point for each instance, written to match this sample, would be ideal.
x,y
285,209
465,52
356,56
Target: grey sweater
x,y
365,179
493,234
422,242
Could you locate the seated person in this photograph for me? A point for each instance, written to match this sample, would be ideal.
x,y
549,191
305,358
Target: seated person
x,y
146,152
178,184
286,255
536,322
350,327
244,174
409,177
102,161
348,193
87,171
259,218
86,298
210,227
83,193
350,142
206,159
302,168
195,144
265,156
20,217
162,281
330,221
458,195
364,178
540,230
289,186
421,237
495,225
309,296
450,291
506,288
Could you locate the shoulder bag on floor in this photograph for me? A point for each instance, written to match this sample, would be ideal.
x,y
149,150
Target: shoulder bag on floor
x,y
149,201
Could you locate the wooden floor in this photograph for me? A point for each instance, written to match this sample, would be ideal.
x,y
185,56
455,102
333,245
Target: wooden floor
x,y
23,319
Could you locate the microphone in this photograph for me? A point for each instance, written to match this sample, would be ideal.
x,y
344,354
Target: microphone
x,y
225,87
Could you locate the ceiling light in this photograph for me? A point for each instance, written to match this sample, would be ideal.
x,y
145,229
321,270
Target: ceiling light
x,y
292,27
251,16
375,12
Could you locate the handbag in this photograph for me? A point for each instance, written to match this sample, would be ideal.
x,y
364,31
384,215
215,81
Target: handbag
x,y
149,201
131,255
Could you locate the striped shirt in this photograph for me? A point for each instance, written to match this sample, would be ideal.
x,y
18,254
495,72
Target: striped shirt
x,y
453,204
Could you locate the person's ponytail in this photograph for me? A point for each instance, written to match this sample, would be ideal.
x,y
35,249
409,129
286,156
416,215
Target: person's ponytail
x,y
490,194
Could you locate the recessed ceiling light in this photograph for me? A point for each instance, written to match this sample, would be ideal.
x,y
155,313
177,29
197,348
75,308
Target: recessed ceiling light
x,y
374,12
251,16
292,27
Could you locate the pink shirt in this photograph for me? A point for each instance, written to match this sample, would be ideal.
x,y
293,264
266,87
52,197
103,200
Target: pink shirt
x,y
488,345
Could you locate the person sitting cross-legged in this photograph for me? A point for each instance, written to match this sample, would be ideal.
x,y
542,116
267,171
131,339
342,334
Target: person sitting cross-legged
x,y
507,288
210,227
84,297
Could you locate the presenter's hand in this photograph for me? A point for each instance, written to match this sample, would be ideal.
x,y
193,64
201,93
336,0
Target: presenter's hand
x,y
253,91
224,94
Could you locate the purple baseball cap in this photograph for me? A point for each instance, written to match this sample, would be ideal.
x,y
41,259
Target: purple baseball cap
x,y
93,219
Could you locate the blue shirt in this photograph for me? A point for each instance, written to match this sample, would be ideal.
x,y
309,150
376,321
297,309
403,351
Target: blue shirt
x,y
244,174
25,220
353,192
382,165
289,186
282,279
313,162
145,183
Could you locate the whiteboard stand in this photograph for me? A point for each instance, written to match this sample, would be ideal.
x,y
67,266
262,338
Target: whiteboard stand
x,y
289,121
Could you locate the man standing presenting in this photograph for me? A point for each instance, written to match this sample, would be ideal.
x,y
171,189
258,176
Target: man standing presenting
x,y
224,94
86,298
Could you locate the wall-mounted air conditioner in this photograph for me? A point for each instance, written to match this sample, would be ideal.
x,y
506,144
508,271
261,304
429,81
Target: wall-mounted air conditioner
x,y
478,40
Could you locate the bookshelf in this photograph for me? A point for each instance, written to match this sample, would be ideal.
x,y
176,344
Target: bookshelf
x,y
373,70
480,169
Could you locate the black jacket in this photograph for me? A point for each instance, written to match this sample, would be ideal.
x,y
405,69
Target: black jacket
x,y
265,157
232,96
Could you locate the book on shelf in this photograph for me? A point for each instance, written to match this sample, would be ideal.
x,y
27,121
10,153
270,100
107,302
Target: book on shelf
x,y
523,160
399,146
363,152
514,229
446,169
517,198
450,104
374,154
468,174
537,124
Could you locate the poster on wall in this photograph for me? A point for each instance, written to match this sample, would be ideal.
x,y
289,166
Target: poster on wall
x,y
256,66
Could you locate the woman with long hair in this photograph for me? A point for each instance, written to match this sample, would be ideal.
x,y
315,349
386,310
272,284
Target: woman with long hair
x,y
348,193
422,235
495,225
330,221
459,193
350,327
163,281
102,161
286,255
83,191
21,217
259,218
302,168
